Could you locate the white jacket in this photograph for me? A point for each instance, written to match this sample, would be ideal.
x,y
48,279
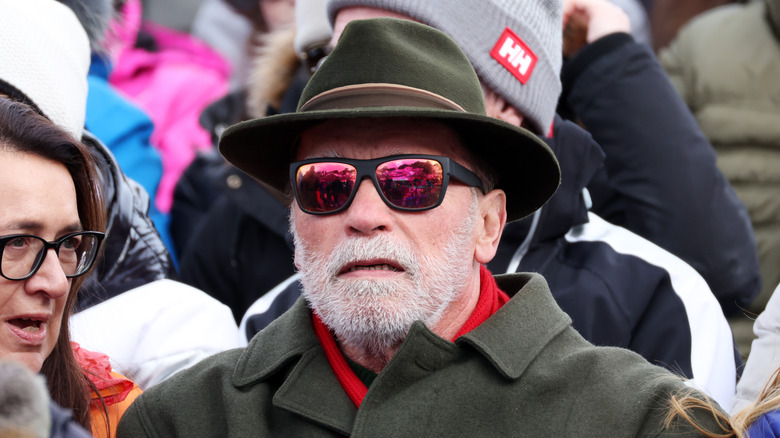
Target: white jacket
x,y
155,330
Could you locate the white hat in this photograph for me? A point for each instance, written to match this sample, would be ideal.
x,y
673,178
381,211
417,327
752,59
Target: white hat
x,y
312,26
45,56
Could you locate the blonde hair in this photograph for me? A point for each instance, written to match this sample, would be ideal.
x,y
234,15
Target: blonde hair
x,y
684,404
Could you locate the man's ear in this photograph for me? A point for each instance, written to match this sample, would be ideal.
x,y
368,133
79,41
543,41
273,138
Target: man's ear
x,y
492,208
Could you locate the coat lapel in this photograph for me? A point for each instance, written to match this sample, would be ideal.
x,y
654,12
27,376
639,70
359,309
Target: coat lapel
x,y
310,389
512,343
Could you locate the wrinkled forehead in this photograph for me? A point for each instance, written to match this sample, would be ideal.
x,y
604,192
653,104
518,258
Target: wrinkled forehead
x,y
375,138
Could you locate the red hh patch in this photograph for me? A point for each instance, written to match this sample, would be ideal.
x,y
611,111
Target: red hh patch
x,y
514,54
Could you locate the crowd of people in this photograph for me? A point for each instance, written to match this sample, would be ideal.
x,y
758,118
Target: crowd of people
x,y
389,217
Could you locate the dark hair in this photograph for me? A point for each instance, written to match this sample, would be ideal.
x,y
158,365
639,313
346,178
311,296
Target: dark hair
x,y
24,130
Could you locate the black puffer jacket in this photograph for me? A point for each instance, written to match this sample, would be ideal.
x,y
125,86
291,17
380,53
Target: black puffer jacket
x,y
133,253
231,234
660,177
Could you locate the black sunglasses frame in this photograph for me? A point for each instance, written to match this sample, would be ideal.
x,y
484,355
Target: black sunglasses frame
x,y
45,250
367,169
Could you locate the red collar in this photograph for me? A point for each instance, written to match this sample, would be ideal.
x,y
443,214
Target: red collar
x,y
491,298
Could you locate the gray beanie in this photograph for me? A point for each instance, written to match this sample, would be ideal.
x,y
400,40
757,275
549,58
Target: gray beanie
x,y
514,45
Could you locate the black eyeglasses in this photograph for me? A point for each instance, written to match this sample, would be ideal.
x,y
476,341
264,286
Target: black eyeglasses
x,y
21,255
405,182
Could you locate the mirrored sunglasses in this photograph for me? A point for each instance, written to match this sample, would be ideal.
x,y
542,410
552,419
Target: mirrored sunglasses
x,y
405,182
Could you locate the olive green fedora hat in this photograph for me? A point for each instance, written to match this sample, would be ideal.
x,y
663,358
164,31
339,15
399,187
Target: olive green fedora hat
x,y
389,68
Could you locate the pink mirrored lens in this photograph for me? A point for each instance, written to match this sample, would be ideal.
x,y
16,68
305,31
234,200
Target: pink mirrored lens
x,y
411,183
324,187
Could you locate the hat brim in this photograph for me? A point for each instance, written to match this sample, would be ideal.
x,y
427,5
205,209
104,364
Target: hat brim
x,y
526,167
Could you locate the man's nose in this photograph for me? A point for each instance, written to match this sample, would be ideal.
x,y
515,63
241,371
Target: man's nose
x,y
368,212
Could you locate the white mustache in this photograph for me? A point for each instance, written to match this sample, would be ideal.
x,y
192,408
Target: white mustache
x,y
379,247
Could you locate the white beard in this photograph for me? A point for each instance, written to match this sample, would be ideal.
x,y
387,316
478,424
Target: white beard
x,y
374,315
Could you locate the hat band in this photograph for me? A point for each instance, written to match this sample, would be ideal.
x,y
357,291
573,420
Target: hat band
x,y
378,95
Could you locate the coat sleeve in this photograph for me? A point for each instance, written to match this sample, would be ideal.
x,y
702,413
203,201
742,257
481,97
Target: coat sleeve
x,y
662,181
136,423
673,60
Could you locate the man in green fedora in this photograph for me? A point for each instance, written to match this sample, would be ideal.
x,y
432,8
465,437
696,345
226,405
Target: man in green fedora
x,y
399,187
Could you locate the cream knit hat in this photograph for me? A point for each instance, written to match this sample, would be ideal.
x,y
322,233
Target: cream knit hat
x,y
312,28
44,60
515,46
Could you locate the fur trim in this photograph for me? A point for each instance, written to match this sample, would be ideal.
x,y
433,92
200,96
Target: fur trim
x,y
94,16
25,401
273,69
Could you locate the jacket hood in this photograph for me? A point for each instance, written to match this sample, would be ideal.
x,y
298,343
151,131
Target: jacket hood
x,y
273,70
133,252
580,159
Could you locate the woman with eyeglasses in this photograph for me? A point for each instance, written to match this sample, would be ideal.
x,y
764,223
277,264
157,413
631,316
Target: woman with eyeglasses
x,y
51,222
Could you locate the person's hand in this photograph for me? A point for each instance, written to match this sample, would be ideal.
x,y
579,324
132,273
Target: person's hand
x,y
585,21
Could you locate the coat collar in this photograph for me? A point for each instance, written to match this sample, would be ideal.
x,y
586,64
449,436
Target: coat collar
x,y
284,340
289,346
511,339
515,335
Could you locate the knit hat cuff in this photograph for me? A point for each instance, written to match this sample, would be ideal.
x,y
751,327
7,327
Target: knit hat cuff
x,y
477,26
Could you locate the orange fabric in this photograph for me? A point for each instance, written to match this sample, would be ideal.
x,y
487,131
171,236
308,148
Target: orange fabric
x,y
115,411
117,391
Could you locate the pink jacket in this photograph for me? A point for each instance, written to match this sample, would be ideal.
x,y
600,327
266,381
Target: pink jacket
x,y
173,85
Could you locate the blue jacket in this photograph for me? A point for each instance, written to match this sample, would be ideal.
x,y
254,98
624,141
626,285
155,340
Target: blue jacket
x,y
63,425
126,130
765,426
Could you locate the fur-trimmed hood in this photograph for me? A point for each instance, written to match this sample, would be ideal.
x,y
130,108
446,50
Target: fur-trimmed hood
x,y
273,70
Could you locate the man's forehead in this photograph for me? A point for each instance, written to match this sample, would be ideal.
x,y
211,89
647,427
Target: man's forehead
x,y
373,138
345,15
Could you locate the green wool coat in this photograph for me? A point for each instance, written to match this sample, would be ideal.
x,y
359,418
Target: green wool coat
x,y
523,372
